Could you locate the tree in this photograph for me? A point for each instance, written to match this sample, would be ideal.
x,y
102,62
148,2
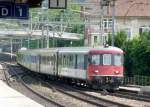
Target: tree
x,y
120,38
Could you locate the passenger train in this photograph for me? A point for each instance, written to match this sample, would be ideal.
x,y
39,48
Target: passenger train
x,y
98,67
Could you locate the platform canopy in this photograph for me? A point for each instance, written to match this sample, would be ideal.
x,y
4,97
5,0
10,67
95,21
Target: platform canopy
x,y
37,3
32,3
6,34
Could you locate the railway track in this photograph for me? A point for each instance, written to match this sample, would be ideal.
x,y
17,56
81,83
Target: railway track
x,y
19,77
80,95
42,96
131,95
74,93
97,100
3,73
124,94
77,94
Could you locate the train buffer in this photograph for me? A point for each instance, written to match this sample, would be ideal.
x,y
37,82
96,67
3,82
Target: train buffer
x,y
11,98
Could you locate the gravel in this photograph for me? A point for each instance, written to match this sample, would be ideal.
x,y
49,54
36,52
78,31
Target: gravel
x,y
57,96
130,102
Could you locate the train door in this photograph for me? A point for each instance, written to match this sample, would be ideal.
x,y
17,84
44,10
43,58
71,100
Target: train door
x,y
57,60
59,63
55,64
38,60
52,63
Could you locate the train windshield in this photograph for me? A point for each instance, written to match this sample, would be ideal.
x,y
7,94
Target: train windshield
x,y
118,59
96,59
107,59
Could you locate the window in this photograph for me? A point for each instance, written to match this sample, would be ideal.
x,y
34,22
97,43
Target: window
x,y
95,39
144,29
96,59
80,62
107,23
72,61
128,32
118,60
106,59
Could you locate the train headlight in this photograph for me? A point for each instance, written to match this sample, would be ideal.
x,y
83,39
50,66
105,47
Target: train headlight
x,y
117,72
96,71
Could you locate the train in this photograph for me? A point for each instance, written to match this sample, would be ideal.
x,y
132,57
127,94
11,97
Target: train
x,y
97,67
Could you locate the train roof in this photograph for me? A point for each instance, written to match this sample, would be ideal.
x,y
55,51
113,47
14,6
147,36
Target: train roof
x,y
72,50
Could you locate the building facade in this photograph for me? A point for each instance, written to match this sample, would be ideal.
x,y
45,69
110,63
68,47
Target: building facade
x,y
131,16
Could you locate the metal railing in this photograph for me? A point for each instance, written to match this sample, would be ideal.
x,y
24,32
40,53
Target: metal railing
x,y
137,80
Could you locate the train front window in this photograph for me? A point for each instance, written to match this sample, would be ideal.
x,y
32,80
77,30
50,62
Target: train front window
x,y
96,59
106,59
118,60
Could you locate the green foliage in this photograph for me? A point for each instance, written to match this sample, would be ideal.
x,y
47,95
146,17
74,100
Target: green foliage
x,y
120,39
137,53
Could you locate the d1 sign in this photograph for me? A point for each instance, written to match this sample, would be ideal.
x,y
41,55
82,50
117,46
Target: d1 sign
x,y
6,10
21,11
12,10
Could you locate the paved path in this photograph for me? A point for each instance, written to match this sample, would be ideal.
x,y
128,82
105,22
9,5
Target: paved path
x,y
11,98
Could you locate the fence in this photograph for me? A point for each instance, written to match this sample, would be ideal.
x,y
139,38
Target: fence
x,y
137,80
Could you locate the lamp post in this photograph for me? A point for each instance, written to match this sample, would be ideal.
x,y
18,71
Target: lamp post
x,y
11,47
47,36
53,39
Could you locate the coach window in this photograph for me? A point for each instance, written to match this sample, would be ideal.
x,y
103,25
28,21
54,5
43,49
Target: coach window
x,y
46,60
61,60
80,61
64,61
50,61
41,59
106,59
67,61
96,59
72,61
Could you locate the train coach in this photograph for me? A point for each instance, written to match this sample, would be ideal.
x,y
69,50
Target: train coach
x,y
99,67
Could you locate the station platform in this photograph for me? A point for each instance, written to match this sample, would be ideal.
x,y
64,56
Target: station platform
x,y
11,98
138,89
134,89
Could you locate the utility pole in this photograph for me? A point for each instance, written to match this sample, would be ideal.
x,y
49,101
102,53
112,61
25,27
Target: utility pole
x,y
61,21
45,8
113,22
11,47
107,3
103,3
101,22
47,36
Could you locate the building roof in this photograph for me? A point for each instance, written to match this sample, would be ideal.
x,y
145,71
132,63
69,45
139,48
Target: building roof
x,y
137,8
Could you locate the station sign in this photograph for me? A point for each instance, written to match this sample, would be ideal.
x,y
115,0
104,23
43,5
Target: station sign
x,y
14,10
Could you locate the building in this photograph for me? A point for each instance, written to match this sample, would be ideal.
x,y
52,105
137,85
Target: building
x,y
132,16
